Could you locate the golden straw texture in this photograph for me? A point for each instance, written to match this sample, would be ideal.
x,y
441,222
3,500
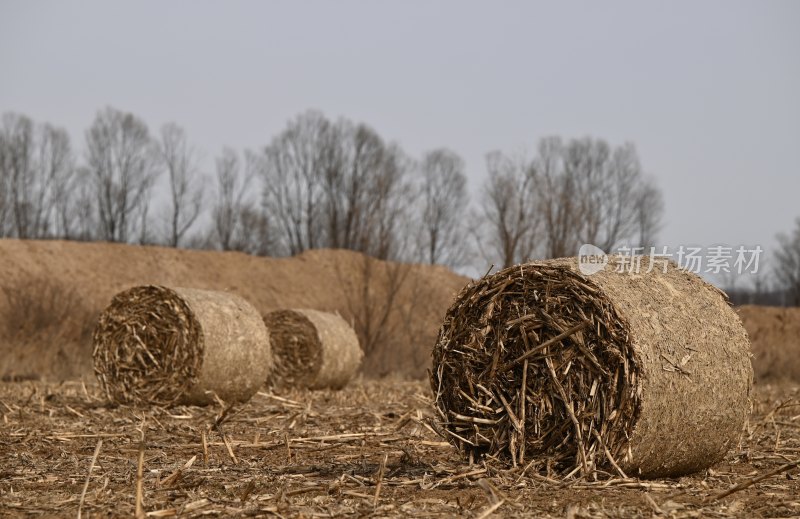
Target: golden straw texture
x,y
645,374
312,349
155,345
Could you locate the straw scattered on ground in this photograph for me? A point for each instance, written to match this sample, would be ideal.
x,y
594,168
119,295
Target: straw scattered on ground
x,y
364,451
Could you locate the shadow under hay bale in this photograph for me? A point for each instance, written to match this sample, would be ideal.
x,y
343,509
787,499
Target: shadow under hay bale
x,y
155,345
637,374
312,349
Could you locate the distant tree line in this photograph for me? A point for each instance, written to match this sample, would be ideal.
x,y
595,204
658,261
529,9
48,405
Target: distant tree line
x,y
320,184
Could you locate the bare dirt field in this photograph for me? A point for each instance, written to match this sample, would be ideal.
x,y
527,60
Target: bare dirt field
x,y
364,451
368,450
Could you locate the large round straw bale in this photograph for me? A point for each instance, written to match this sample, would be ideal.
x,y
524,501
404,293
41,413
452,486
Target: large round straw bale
x,y
312,349
163,346
646,374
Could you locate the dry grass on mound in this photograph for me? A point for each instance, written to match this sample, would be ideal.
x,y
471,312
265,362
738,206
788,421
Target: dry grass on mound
x,y
775,336
396,309
45,328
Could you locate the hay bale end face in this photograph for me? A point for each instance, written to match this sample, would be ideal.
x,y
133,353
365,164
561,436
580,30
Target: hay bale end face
x,y
644,374
155,345
312,349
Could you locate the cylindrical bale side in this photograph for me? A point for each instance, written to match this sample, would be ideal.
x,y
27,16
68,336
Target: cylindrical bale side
x,y
162,346
624,371
312,349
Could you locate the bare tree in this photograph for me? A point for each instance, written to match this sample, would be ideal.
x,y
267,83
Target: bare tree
x,y
347,188
558,199
57,173
592,193
334,185
66,183
77,210
122,162
608,185
5,189
232,203
649,211
509,208
185,188
787,264
581,192
444,201
18,146
36,167
292,167
254,234
591,197
386,214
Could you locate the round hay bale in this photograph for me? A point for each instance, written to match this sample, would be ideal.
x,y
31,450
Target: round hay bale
x,y
644,374
312,349
161,346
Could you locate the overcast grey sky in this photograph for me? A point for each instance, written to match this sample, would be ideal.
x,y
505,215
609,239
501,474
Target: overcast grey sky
x,y
708,91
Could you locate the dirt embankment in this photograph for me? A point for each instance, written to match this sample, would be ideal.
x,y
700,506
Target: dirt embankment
x,y
52,291
775,341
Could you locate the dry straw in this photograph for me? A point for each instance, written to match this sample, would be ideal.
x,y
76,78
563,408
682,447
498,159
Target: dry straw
x,y
163,346
312,349
632,374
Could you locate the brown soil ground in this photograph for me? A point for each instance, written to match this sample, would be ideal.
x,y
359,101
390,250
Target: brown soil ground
x,y
363,451
52,291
